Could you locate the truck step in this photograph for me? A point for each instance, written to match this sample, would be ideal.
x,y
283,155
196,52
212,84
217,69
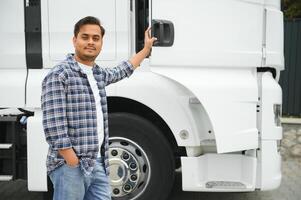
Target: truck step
x,y
6,146
225,185
6,177
219,172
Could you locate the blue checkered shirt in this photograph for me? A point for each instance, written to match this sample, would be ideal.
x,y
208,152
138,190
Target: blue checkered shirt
x,y
69,112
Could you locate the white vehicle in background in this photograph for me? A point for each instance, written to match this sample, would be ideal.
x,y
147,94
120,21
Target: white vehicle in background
x,y
206,101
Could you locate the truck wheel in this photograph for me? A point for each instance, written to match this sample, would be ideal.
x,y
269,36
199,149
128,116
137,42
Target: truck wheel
x,y
141,160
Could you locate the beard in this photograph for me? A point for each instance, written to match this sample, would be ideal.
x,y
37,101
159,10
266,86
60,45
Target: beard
x,y
86,57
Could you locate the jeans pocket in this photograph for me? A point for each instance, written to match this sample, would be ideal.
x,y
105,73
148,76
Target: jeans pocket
x,y
72,167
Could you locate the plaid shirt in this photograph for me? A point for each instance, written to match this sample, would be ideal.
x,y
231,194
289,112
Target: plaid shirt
x,y
69,111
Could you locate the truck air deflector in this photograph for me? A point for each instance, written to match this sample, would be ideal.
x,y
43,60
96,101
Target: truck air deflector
x,y
273,45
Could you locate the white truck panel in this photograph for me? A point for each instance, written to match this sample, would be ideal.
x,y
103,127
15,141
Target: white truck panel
x,y
36,153
12,36
211,33
58,31
228,96
34,87
269,166
12,87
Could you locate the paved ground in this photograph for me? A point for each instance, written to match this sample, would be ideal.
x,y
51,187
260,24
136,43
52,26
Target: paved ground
x,y
290,189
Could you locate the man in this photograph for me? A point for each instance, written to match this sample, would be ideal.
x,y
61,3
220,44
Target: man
x,y
75,115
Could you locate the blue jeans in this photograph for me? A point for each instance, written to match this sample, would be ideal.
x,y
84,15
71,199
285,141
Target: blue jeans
x,y
69,183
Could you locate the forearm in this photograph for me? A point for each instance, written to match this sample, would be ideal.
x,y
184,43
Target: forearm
x,y
69,156
139,57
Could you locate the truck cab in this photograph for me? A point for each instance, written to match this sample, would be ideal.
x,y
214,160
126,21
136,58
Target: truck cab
x,y
206,101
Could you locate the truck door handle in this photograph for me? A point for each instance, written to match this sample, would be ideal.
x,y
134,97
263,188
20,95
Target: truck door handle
x,y
163,30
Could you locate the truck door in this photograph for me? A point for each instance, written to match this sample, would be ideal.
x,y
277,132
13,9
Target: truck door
x,y
213,48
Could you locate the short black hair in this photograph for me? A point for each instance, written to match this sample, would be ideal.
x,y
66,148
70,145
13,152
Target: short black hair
x,y
88,20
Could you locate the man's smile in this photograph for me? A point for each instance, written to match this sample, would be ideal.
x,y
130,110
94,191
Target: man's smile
x,y
90,48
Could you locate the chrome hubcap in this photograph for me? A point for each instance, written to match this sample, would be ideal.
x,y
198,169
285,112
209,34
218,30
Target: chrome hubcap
x,y
129,168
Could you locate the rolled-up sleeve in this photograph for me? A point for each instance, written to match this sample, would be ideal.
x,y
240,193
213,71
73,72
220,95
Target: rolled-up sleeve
x,y
53,104
112,75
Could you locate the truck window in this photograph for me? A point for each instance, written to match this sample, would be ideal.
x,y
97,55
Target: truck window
x,y
142,9
58,27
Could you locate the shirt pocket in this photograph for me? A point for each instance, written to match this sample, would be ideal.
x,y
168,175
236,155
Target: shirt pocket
x,y
78,101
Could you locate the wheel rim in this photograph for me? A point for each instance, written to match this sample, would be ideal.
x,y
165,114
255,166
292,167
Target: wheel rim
x,y
129,168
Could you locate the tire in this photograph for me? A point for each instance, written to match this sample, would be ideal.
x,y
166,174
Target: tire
x,y
147,147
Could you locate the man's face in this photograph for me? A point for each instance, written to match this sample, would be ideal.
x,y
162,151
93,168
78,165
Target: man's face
x,y
88,42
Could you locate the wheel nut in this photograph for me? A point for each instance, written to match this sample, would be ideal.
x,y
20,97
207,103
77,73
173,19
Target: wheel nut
x,y
114,153
116,191
127,188
134,177
125,156
133,166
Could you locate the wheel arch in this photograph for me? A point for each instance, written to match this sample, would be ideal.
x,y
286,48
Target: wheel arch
x,y
122,104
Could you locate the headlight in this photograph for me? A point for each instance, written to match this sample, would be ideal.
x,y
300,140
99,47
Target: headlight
x,y
278,114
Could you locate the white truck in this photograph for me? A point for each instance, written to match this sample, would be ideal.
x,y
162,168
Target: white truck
x,y
206,102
